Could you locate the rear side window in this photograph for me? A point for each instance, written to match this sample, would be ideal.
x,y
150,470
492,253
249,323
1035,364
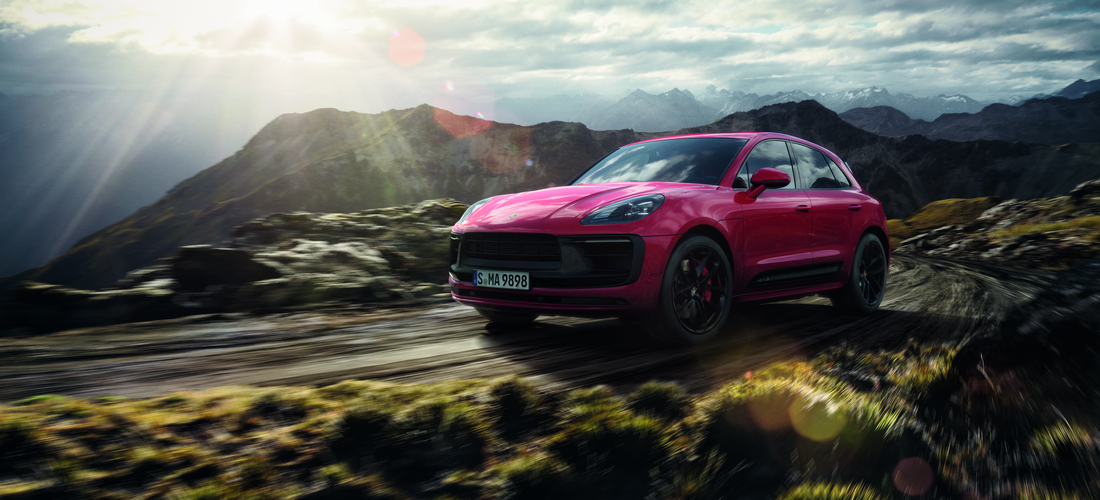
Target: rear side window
x,y
768,154
838,174
813,169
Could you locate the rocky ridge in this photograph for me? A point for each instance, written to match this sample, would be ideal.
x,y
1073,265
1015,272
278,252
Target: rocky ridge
x,y
1049,233
270,263
1049,120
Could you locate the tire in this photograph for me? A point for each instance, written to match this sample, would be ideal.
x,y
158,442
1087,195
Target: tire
x,y
867,280
507,318
694,300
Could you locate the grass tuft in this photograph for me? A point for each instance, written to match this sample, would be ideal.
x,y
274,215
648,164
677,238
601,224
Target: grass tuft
x,y
939,213
517,409
1062,437
661,400
533,477
700,478
614,452
434,437
1089,226
830,491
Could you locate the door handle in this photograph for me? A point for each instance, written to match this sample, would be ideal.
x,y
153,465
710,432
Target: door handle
x,y
802,208
854,207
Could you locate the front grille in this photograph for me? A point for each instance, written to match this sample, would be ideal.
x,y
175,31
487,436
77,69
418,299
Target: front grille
x,y
511,250
513,246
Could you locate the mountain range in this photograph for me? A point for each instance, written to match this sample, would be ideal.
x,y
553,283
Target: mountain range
x,y
678,108
918,107
333,161
1052,120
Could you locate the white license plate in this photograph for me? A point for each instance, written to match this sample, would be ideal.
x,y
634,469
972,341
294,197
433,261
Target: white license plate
x,y
502,279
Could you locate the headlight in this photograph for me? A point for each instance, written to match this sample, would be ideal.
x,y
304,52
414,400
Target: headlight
x,y
470,211
625,211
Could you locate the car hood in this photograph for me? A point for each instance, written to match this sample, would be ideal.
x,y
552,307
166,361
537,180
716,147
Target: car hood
x,y
534,210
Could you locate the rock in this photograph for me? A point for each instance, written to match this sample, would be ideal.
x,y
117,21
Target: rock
x,y
197,267
1085,189
41,307
1041,233
269,263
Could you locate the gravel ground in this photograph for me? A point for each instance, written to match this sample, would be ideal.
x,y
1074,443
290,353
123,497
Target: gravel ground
x,y
928,300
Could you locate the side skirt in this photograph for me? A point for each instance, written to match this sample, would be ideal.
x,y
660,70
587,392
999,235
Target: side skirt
x,y
792,275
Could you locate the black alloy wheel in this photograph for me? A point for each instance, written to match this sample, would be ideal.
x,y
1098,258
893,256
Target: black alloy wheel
x,y
867,280
872,273
695,293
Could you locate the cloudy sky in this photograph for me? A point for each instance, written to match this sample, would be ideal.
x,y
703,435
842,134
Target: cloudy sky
x,y
375,55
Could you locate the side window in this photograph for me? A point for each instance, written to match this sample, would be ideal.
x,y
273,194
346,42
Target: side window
x,y
767,154
838,174
813,168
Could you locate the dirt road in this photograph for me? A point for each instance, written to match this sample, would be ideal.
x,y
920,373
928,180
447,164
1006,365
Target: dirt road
x,y
926,300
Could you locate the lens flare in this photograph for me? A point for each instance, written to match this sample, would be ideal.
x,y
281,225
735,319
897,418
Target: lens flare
x,y
913,476
460,125
816,421
770,411
467,98
406,47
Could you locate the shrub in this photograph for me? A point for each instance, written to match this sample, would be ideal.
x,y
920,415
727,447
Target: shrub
x,y
517,409
615,455
826,491
432,438
20,446
362,429
700,478
665,401
532,478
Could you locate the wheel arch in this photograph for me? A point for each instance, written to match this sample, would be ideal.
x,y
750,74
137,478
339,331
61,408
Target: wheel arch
x,y
882,236
719,238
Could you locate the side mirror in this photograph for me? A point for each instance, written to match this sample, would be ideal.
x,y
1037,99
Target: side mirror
x,y
767,178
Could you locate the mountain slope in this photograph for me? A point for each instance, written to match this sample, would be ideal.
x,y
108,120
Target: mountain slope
x,y
1079,89
332,161
1052,120
564,108
645,112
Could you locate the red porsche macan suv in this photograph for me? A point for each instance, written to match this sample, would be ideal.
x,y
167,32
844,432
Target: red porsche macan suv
x,y
673,231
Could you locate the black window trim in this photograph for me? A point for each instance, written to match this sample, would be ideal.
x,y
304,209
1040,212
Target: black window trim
x,y
745,163
849,178
851,185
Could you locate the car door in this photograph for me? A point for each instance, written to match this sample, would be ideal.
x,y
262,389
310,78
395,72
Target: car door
x,y
836,209
776,223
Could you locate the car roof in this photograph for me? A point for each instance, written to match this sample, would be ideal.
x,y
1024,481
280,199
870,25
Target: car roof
x,y
723,135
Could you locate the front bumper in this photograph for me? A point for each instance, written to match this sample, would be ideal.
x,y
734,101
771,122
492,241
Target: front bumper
x,y
571,290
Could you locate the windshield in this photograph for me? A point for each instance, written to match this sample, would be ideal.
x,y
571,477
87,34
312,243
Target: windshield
x,y
697,161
